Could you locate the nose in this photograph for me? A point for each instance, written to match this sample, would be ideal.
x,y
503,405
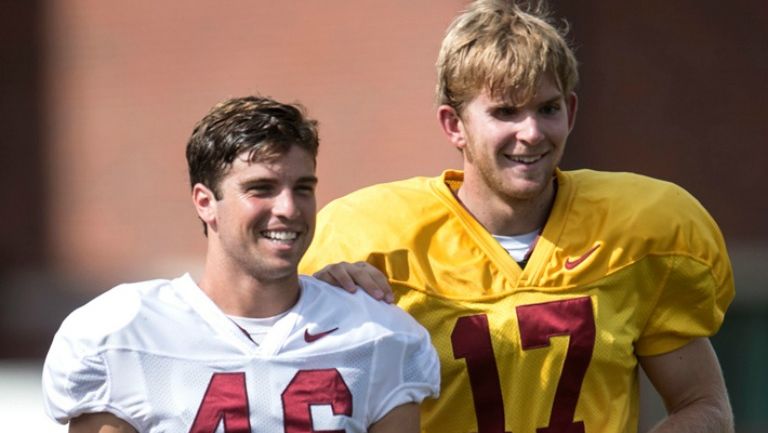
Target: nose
x,y
530,132
284,204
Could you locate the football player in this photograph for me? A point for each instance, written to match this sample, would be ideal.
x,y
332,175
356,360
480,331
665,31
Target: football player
x,y
249,346
543,289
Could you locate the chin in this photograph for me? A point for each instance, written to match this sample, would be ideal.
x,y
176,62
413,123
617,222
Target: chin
x,y
275,270
278,275
526,191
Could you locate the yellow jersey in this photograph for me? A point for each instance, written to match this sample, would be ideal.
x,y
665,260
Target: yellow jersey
x,y
626,265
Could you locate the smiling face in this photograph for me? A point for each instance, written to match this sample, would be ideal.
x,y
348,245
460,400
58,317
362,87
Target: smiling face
x,y
511,151
264,218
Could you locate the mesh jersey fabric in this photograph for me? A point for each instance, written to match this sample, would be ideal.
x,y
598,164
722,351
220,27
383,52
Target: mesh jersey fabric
x,y
626,265
162,356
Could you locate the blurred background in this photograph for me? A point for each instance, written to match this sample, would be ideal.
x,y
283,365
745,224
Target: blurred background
x,y
98,98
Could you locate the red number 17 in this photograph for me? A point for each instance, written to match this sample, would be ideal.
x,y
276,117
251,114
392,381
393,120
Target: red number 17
x,y
538,323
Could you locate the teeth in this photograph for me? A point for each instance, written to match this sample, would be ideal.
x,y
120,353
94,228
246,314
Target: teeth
x,y
279,235
525,159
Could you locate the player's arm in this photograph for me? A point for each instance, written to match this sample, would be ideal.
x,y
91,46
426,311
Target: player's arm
x,y
402,419
102,422
348,276
691,384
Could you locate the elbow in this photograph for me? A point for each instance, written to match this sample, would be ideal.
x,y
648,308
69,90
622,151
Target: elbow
x,y
725,416
714,414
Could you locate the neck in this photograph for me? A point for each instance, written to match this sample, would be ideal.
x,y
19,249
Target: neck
x,y
240,294
504,215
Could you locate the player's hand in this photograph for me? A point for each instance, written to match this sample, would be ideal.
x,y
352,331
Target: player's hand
x,y
348,276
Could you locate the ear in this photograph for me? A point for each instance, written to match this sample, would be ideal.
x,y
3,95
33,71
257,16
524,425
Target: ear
x,y
205,204
452,125
572,104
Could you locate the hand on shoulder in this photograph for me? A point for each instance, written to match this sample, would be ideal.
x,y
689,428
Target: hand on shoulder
x,y
349,276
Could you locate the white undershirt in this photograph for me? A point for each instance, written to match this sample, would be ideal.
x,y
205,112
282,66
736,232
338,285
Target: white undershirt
x,y
257,328
518,246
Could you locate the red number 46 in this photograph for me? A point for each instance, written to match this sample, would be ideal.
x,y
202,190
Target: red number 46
x,y
538,323
226,400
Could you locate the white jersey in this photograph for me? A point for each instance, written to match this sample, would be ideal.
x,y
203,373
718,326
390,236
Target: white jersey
x,y
163,357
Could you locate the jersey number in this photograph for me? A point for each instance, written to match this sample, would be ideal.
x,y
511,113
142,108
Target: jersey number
x,y
226,400
471,340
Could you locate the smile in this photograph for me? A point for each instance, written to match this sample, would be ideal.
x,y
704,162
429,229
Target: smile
x,y
522,159
280,236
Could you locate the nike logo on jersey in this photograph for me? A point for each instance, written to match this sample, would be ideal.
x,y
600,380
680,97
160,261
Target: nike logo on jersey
x,y
309,338
570,264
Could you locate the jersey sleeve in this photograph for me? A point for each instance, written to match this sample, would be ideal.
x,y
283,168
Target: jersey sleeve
x,y
407,370
386,225
698,286
337,238
76,376
73,382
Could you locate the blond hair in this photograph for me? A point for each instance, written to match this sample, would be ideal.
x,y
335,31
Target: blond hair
x,y
504,48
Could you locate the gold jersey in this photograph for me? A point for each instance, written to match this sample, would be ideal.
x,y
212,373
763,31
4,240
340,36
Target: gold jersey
x,y
625,266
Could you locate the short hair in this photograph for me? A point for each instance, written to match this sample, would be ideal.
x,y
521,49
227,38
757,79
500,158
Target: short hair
x,y
263,127
505,48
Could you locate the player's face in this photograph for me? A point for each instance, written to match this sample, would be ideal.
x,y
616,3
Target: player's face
x,y
514,149
265,218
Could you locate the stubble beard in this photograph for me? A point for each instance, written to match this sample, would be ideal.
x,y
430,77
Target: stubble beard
x,y
502,186
259,266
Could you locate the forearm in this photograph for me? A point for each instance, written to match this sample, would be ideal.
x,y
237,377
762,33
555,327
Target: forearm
x,y
101,422
700,417
402,419
691,384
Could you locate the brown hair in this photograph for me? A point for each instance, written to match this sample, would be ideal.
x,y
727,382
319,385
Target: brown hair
x,y
263,127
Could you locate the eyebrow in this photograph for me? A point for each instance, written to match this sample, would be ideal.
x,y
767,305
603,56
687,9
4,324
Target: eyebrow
x,y
552,99
308,179
503,103
304,179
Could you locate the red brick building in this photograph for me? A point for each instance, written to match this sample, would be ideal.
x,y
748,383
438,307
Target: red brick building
x,y
98,99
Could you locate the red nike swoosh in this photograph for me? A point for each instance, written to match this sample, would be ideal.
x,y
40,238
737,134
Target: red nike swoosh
x,y
570,264
314,337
